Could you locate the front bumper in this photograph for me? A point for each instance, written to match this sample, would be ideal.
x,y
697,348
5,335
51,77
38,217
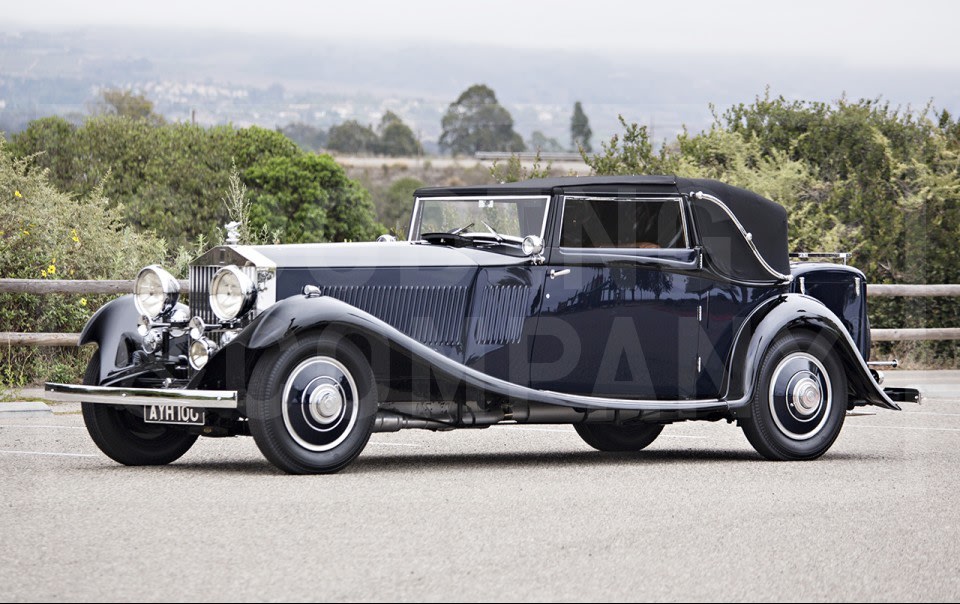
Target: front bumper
x,y
113,395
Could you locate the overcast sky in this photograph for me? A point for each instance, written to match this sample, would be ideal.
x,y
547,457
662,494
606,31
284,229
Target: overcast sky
x,y
920,33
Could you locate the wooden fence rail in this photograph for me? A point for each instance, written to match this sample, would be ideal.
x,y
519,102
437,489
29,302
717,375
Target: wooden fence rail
x,y
884,290
125,286
71,286
92,287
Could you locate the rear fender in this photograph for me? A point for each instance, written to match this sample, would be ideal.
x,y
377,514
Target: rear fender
x,y
789,312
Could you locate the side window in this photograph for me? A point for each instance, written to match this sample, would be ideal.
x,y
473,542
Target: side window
x,y
627,223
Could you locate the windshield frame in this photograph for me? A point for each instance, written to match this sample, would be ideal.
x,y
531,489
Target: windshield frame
x,y
415,220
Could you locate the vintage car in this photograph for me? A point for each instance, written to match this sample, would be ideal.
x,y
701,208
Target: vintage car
x,y
616,304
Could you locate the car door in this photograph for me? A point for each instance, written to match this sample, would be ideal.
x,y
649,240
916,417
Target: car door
x,y
621,301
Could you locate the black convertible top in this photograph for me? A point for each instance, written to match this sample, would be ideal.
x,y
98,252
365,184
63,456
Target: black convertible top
x,y
764,221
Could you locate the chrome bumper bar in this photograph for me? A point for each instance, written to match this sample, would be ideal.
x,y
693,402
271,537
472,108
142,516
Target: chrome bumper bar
x,y
112,395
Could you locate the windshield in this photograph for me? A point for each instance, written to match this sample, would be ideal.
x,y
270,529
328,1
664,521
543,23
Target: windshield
x,y
511,218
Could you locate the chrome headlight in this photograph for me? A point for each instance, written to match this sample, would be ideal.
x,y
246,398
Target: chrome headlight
x,y
531,245
155,292
200,352
232,293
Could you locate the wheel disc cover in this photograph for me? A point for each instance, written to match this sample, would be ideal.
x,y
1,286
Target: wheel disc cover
x,y
320,403
800,396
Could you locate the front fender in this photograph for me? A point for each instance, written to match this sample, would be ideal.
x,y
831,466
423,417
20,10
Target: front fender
x,y
298,314
114,329
796,311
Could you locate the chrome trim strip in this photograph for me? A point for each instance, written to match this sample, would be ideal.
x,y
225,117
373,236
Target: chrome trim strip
x,y
416,222
414,219
113,395
592,402
679,200
746,237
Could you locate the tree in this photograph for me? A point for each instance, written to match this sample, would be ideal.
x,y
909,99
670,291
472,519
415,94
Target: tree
x,y
541,142
310,138
514,170
477,122
352,137
396,138
388,118
396,204
630,154
170,177
580,131
309,198
125,103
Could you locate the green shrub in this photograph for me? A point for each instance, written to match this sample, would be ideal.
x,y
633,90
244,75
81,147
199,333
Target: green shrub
x,y
48,234
170,178
854,176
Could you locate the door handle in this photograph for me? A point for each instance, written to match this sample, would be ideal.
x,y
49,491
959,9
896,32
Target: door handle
x,y
555,273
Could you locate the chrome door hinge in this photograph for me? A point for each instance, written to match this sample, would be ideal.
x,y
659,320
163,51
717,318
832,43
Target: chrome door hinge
x,y
698,364
700,313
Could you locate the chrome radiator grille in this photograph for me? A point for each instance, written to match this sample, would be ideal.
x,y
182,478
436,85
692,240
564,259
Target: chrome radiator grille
x,y
200,277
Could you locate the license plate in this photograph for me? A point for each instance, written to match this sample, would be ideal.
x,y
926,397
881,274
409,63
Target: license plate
x,y
167,414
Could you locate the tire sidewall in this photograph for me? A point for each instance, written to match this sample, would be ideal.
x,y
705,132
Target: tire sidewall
x,y
110,429
763,425
265,405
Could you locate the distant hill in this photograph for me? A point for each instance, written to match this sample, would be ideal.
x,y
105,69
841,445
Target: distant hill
x,y
273,80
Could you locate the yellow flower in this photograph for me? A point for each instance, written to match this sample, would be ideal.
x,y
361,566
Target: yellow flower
x,y
26,232
17,194
71,272
43,274
52,269
83,301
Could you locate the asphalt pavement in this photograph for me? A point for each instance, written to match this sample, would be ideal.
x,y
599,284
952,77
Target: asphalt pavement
x,y
505,513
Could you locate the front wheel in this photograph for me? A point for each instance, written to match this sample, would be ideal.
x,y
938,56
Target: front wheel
x,y
125,437
800,399
312,405
611,437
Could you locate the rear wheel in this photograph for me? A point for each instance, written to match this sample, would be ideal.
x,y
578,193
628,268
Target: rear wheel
x,y
800,400
611,437
312,405
125,437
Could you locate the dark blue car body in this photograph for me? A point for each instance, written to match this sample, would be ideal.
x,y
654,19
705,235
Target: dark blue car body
x,y
656,332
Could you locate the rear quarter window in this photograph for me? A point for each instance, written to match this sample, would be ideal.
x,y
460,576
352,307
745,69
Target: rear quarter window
x,y
615,223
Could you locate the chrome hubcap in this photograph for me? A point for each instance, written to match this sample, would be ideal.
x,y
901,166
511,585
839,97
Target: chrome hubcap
x,y
320,403
806,396
800,396
326,403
